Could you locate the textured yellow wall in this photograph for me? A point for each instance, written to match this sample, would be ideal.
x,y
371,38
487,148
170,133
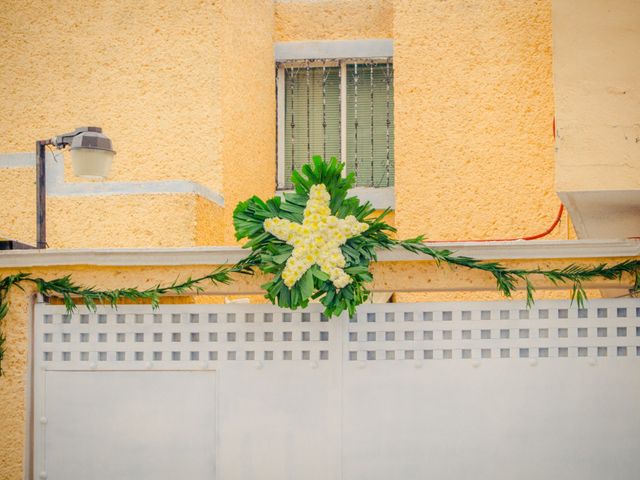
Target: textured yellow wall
x,y
248,104
473,119
333,20
140,70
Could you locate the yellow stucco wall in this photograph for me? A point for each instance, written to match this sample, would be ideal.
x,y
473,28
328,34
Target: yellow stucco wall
x,y
333,19
474,113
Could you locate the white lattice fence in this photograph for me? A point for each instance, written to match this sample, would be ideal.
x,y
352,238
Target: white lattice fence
x,y
423,390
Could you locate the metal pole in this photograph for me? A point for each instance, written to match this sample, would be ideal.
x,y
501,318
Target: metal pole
x,y
41,195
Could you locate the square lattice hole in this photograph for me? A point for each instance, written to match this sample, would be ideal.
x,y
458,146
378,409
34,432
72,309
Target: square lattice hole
x,y
287,317
447,354
66,337
139,337
139,318
408,336
305,317
485,353
390,317
287,336
249,336
504,333
120,337
583,313
213,356
523,333
621,312
505,353
447,335
353,356
389,355
84,337
563,313
249,318
427,335
543,333
563,352
250,355
213,318
466,353
157,337
194,337
306,355
213,336
231,336
582,332
194,318
324,336
427,354
602,313
353,336
563,332
543,314
621,351
602,351
523,314
371,317
268,318
371,336
324,354
504,314
102,337
157,318
543,352
466,334
175,337
231,355
231,318
194,356
389,336
175,318
447,316
583,351
409,354
466,315
102,318
427,316
523,353
485,315
485,334
621,331
408,316
602,331
268,336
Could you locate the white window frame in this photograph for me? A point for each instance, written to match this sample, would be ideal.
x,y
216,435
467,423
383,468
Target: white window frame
x,y
342,51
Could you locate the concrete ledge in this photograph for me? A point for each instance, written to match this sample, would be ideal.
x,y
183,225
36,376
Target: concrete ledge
x,y
333,49
57,187
519,250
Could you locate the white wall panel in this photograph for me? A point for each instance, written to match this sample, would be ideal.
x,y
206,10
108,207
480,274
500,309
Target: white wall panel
x,y
425,390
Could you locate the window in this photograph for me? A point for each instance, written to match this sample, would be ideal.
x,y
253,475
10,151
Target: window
x,y
336,108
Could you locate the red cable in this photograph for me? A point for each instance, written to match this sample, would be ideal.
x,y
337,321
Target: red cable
x,y
531,237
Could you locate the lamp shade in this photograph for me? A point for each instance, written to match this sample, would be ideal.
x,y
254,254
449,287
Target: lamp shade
x,y
91,155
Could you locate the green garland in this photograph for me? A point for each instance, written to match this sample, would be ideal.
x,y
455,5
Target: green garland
x,y
269,254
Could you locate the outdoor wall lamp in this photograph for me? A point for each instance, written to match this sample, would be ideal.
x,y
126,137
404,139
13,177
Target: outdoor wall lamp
x,y
91,155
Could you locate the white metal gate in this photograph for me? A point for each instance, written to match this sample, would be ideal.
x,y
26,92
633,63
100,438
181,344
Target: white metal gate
x,y
413,391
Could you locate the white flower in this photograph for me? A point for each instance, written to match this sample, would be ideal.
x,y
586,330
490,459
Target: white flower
x,y
317,240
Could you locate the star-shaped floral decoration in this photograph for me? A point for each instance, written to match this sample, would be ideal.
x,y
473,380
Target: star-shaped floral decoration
x,y
317,240
315,243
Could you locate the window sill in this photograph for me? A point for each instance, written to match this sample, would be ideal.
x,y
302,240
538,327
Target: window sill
x,y
380,198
